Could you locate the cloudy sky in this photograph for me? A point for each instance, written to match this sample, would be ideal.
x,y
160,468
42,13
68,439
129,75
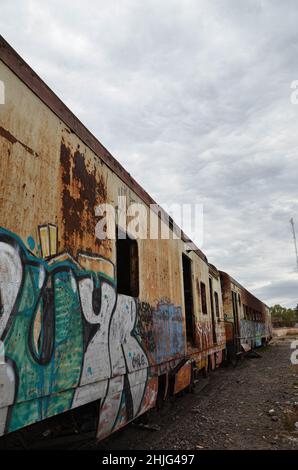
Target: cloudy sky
x,y
193,98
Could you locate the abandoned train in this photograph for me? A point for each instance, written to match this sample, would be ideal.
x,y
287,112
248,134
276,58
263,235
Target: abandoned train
x,y
123,324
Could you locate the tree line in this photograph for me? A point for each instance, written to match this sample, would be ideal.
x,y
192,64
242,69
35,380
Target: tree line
x,y
284,316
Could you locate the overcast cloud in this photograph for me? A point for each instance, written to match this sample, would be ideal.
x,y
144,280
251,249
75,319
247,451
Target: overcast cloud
x,y
193,98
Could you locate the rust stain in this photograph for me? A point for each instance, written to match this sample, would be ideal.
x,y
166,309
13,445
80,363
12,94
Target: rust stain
x,y
13,140
182,378
83,189
65,163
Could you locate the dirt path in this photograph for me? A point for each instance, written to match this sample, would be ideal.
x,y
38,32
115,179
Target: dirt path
x,y
252,406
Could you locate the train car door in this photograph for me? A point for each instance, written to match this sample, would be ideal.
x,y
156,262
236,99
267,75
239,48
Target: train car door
x,y
188,298
212,311
236,321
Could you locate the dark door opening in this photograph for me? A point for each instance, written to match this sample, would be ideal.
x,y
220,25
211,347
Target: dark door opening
x,y
127,265
188,298
212,310
236,320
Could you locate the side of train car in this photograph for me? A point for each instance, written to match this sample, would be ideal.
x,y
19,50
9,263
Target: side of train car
x,y
121,324
247,319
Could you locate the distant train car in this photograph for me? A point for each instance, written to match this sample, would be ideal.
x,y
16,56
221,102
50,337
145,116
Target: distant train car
x,y
247,319
116,324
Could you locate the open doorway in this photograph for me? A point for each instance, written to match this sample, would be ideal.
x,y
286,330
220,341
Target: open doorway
x,y
127,265
212,311
236,320
188,298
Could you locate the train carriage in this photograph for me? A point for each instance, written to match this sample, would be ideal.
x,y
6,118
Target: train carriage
x,y
119,323
247,319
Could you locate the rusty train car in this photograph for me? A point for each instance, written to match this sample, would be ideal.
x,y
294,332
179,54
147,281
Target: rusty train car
x,y
121,324
247,319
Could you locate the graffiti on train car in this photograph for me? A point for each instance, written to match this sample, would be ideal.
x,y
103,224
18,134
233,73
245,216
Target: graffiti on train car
x,y
70,339
168,329
161,330
220,332
204,337
252,332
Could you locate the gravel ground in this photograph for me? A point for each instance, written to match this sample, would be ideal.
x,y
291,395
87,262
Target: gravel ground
x,y
252,406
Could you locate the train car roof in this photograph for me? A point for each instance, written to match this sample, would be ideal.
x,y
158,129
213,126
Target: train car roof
x,y
213,270
241,287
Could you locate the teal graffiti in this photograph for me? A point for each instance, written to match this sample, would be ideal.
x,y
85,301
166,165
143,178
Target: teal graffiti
x,y
31,243
44,338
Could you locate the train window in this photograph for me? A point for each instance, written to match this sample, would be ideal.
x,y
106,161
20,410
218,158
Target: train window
x,y
216,304
203,298
127,265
